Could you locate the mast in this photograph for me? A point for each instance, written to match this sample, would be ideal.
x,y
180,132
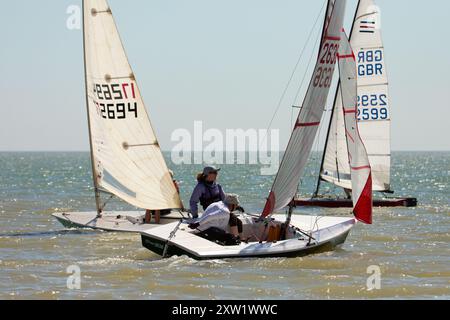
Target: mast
x,y
327,19
127,161
319,180
324,28
285,185
91,146
325,23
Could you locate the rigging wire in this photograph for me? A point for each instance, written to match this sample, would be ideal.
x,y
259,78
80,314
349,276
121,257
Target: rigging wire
x,y
298,94
318,140
306,72
293,73
304,77
106,202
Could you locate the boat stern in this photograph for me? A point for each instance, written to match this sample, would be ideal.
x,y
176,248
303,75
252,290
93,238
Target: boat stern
x,y
153,244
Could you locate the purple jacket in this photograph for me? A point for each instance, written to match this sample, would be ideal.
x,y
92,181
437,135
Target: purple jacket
x,y
206,195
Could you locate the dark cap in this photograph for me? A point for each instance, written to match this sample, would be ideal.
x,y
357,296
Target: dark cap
x,y
209,170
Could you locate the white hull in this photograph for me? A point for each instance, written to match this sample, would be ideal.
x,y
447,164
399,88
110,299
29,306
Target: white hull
x,y
328,233
116,221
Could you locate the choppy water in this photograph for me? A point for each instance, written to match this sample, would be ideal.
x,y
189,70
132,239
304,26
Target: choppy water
x,y
411,246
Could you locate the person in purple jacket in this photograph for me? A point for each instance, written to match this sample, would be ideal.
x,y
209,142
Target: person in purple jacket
x,y
207,191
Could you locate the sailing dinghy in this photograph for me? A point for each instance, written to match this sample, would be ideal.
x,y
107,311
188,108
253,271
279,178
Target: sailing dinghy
x,y
127,162
374,116
272,235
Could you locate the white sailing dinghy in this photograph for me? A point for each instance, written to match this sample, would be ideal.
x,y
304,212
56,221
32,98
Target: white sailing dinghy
x,y
127,161
374,116
303,234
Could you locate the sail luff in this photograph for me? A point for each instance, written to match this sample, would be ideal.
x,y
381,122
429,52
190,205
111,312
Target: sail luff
x,y
91,146
127,158
301,142
360,168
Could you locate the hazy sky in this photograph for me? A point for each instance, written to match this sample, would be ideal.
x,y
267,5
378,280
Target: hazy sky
x,y
224,62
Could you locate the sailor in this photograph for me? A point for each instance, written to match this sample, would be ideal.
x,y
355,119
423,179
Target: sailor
x,y
348,193
207,191
175,182
220,215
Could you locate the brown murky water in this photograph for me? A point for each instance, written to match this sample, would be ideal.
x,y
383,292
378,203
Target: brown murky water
x,y
410,246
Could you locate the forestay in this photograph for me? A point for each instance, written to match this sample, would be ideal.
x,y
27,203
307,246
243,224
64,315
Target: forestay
x,y
361,176
373,106
127,159
300,145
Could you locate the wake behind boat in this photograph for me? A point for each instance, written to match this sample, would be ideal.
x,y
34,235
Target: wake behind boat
x,y
270,235
127,162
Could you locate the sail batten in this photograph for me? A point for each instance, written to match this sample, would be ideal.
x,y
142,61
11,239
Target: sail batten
x,y
127,159
301,142
373,106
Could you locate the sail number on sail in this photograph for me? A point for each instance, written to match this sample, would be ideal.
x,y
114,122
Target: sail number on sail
x,y
112,100
324,73
372,107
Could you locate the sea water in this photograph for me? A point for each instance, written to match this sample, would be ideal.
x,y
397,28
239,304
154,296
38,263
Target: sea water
x,y
405,254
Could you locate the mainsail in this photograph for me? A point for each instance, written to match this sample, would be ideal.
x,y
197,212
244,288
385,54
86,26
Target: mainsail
x,y
373,107
127,160
300,145
361,177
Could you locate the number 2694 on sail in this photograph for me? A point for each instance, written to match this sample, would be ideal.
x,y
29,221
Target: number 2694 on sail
x,y
107,97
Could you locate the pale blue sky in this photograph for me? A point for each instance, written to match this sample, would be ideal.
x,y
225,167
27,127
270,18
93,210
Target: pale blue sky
x,y
223,62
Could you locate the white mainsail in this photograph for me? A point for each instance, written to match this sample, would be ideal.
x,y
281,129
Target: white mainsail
x,y
127,160
361,176
373,106
300,145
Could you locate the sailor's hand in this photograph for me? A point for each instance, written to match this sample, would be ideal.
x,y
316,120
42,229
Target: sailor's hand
x,y
194,226
193,215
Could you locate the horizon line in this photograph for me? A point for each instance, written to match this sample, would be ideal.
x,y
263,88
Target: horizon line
x,y
190,151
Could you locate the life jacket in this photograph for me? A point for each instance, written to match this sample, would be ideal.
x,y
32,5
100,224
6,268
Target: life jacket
x,y
210,195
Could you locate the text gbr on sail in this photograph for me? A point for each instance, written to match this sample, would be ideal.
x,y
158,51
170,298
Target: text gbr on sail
x,y
370,63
